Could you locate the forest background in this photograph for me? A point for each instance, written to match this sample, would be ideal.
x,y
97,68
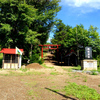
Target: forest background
x,y
28,23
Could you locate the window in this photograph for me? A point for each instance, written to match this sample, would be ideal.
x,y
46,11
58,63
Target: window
x,y
7,58
11,58
14,58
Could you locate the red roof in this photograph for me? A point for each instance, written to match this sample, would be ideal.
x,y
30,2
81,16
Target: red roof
x,y
71,52
9,51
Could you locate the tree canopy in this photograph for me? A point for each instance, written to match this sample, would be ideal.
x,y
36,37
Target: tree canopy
x,y
26,23
77,37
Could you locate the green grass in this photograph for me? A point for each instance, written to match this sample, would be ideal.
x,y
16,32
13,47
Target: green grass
x,y
94,72
76,76
75,68
49,77
68,69
47,66
85,80
82,92
53,86
31,84
55,90
23,69
54,73
99,85
98,69
30,92
1,69
12,73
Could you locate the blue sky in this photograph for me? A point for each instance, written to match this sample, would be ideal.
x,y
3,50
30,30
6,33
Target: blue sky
x,y
86,12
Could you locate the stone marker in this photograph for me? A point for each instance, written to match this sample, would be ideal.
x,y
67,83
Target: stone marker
x,y
88,63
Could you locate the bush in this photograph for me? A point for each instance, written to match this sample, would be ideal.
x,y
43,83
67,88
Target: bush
x,y
35,58
98,60
41,61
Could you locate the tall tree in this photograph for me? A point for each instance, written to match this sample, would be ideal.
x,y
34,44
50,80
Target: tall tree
x,y
26,23
47,11
77,37
63,35
94,40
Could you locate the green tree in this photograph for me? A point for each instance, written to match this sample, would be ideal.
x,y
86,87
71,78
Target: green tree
x,y
63,35
94,40
76,38
26,23
47,11
15,21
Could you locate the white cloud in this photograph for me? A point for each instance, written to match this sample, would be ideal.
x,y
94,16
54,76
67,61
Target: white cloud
x,y
81,6
82,3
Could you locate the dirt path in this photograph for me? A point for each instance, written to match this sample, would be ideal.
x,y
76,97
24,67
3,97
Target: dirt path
x,y
50,62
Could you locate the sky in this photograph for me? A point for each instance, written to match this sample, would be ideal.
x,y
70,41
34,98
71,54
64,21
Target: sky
x,y
76,12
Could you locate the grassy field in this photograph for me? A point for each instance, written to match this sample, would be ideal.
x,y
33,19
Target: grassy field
x,y
48,84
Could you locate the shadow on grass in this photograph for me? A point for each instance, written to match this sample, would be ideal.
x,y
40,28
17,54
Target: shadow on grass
x,y
67,97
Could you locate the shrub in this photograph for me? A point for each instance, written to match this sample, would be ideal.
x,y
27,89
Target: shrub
x,y
35,58
98,60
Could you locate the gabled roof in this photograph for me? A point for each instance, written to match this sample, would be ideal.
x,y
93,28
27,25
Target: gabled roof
x,y
9,51
71,53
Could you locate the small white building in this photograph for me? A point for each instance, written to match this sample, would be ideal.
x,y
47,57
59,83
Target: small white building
x,y
11,60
